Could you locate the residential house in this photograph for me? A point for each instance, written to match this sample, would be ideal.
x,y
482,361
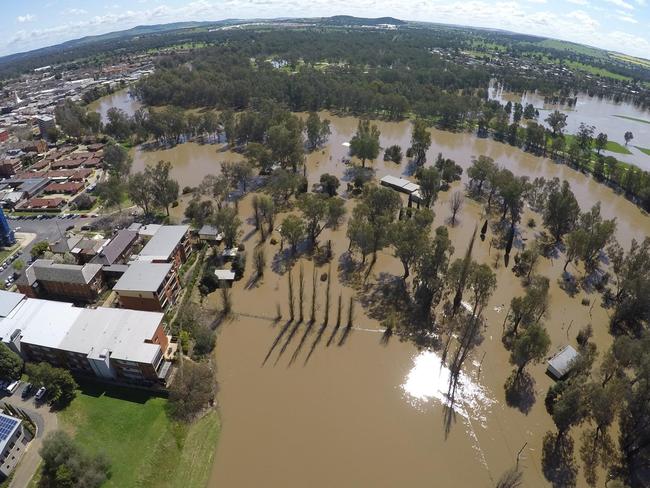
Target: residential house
x,y
148,286
47,279
45,204
209,233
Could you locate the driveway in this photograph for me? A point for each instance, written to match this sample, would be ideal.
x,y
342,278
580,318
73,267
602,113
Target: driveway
x,y
46,422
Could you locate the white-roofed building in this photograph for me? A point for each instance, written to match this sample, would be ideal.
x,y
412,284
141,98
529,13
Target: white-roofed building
x,y
148,286
114,344
170,244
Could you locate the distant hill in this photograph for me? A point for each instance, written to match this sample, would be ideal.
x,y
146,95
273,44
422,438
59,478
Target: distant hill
x,y
140,30
350,20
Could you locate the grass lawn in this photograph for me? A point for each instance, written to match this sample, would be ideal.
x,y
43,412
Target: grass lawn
x,y
5,252
615,147
643,121
643,150
145,447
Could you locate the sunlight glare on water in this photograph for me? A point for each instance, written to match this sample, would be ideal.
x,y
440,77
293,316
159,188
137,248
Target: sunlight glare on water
x,y
429,379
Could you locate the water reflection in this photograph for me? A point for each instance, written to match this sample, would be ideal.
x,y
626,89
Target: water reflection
x,y
429,379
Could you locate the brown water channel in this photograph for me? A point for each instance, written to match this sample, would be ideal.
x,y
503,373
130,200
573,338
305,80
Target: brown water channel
x,y
311,407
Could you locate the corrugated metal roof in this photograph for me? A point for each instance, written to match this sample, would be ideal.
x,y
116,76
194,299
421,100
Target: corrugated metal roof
x,y
164,241
116,246
48,270
143,276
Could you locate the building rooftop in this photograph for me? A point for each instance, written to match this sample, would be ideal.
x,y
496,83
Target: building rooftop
x,y
164,241
560,364
125,333
8,301
143,276
48,270
116,247
39,322
8,426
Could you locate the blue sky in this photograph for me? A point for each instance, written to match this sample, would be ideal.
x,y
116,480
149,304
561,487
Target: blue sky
x,y
620,25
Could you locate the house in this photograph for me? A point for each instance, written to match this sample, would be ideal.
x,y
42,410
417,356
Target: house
x,y
12,443
44,122
402,185
170,243
47,204
560,364
47,279
82,248
117,249
148,286
209,233
127,346
68,188
68,163
4,135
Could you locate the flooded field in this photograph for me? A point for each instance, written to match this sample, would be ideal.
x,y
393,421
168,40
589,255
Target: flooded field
x,y
311,406
605,115
120,99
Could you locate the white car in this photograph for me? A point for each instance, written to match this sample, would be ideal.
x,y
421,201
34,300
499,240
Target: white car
x,y
40,393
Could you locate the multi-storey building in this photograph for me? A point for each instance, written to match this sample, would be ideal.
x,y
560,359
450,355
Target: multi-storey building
x,y
148,286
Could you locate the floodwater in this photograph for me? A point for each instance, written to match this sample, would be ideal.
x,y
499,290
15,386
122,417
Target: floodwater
x,y
120,99
605,115
311,406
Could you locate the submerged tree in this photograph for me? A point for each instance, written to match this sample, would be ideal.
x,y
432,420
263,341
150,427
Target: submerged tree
x,y
365,143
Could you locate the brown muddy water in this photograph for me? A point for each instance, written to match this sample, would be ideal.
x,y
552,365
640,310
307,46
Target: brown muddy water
x,y
309,406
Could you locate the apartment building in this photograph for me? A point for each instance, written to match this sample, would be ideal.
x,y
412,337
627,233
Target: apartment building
x,y
47,279
148,286
169,244
127,346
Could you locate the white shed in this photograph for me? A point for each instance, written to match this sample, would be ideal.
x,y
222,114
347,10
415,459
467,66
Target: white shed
x,y
560,364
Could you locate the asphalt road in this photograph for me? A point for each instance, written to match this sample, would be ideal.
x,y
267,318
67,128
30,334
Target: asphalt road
x,y
46,422
50,230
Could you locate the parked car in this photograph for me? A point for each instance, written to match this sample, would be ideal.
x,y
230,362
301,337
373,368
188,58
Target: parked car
x,y
27,390
13,386
40,394
68,228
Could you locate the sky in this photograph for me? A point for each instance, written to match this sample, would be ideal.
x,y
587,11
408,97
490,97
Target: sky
x,y
617,25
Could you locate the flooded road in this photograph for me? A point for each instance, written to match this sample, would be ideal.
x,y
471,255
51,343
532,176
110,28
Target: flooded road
x,y
312,406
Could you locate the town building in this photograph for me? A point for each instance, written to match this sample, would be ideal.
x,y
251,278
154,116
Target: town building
x,y
148,286
4,135
45,122
12,443
44,204
127,346
209,233
170,243
46,279
7,237
117,250
560,364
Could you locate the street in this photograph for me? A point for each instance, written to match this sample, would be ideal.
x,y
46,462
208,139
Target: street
x,y
46,422
50,230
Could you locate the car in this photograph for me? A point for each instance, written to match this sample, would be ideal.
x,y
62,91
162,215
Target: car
x,y
3,384
13,386
40,393
17,229
86,227
27,390
20,252
68,228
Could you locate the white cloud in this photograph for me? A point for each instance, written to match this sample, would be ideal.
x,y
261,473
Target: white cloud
x,y
627,18
579,2
76,11
621,3
25,18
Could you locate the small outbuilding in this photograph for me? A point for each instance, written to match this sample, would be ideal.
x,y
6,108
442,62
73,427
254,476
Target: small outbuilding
x,y
209,233
560,364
